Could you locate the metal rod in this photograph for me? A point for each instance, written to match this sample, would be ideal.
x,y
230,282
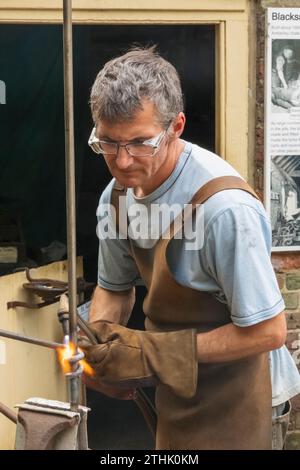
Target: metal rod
x,y
87,331
74,382
29,339
8,413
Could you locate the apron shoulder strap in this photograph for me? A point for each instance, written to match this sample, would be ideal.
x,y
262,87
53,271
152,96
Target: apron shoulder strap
x,y
220,184
212,187
121,222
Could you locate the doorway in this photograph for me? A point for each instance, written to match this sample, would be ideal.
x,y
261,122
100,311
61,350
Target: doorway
x,y
32,177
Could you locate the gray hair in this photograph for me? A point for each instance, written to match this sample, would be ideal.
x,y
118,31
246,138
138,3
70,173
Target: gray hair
x,y
126,81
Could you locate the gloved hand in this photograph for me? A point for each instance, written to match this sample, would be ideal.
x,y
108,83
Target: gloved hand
x,y
95,383
133,358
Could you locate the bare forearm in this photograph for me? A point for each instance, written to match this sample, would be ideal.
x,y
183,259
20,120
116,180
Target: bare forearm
x,y
230,342
282,79
112,306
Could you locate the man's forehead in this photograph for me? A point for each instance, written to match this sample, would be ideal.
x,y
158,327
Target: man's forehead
x,y
143,123
128,130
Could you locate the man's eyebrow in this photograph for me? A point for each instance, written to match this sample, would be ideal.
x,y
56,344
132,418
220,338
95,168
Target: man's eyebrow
x,y
105,137
136,139
142,138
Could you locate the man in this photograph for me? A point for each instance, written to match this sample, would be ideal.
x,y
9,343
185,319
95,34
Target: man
x,y
213,312
285,79
286,68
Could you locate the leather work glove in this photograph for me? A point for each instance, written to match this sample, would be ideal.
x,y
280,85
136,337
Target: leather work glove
x,y
94,383
133,358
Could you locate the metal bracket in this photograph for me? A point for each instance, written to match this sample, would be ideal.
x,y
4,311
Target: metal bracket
x,y
49,290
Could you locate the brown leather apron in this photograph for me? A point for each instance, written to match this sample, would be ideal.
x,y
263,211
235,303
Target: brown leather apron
x,y
232,406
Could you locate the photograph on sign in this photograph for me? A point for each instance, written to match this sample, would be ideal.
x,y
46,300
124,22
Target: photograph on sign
x,y
282,127
285,204
285,75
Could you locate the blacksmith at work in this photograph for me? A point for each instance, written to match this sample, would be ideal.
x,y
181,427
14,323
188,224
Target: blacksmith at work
x,y
215,325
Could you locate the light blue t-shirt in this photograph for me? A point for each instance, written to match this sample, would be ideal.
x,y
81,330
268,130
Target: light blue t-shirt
x,y
233,263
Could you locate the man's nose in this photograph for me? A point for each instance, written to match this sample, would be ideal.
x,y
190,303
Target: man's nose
x,y
123,159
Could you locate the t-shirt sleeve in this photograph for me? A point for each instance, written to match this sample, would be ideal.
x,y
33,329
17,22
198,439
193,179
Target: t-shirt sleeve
x,y
237,251
117,269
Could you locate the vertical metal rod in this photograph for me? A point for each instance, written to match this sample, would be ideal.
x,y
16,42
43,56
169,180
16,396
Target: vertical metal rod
x,y
70,186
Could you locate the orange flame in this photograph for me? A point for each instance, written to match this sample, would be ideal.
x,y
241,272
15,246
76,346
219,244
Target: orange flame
x,y
65,353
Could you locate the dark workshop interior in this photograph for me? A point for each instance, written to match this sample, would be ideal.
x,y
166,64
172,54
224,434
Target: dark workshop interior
x,y
32,175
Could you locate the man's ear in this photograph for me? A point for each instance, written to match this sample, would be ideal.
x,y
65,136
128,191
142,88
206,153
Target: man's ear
x,y
178,126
